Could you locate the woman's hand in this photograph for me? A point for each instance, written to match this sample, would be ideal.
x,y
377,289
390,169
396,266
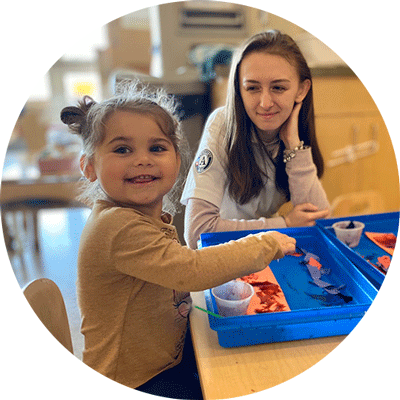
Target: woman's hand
x,y
289,132
305,215
286,243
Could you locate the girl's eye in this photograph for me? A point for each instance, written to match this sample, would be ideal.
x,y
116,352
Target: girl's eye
x,y
157,149
122,150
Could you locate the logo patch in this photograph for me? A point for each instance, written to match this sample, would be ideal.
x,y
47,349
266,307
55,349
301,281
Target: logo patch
x,y
204,161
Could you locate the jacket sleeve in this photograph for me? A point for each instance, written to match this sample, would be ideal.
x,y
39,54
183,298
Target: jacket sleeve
x,y
143,251
202,216
304,185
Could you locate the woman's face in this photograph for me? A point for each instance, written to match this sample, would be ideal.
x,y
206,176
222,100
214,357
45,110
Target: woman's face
x,y
269,87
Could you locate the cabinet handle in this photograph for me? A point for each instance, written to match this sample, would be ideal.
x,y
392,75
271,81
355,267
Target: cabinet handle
x,y
352,153
374,132
355,131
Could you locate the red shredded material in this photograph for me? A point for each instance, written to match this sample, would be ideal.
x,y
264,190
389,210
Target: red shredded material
x,y
386,241
269,296
384,262
314,263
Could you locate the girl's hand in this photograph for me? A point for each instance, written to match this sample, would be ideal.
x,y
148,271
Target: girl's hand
x,y
286,243
289,132
305,215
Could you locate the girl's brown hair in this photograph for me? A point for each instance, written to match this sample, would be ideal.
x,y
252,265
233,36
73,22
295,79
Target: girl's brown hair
x,y
245,177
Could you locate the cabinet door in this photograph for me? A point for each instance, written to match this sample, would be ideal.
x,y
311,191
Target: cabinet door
x,y
341,95
380,171
376,169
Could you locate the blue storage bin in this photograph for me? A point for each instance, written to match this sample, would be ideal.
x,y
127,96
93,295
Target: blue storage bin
x,y
312,314
384,223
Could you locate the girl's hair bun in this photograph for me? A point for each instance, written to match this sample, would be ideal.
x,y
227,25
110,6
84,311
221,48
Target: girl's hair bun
x,y
72,115
75,117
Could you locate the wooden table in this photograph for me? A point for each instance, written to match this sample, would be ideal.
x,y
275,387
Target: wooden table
x,y
232,372
56,188
24,189
22,180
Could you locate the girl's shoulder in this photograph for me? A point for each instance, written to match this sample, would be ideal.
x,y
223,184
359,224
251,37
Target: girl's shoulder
x,y
109,214
112,215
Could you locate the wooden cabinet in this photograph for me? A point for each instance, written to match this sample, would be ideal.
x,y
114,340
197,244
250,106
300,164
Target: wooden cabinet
x,y
354,141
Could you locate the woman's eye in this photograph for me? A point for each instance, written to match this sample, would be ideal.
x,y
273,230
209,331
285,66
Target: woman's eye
x,y
279,89
251,88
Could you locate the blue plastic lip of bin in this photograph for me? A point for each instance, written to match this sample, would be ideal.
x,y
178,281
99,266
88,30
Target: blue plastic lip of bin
x,y
274,320
239,331
373,223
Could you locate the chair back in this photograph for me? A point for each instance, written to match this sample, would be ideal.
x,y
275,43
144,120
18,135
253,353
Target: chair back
x,y
47,302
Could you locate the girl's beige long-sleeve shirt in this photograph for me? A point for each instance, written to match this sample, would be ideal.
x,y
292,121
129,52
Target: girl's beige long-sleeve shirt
x,y
134,279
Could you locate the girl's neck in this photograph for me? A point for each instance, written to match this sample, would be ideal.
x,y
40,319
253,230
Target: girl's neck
x,y
151,212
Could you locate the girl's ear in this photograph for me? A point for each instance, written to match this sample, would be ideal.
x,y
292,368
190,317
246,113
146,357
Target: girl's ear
x,y
87,168
304,87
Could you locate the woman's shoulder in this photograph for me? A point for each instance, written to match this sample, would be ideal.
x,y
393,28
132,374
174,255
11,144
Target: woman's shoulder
x,y
212,136
216,116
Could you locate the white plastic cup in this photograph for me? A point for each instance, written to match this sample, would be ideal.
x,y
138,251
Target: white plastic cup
x,y
233,298
349,236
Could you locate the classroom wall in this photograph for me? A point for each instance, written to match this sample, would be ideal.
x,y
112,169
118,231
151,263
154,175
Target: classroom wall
x,y
130,48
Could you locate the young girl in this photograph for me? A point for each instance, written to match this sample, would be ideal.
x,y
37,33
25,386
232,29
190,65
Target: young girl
x,y
260,150
133,274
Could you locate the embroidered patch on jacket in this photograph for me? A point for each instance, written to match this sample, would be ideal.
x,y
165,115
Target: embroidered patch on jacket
x,y
204,161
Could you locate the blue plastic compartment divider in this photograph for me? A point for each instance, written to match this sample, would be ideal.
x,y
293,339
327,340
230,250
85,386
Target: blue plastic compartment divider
x,y
384,223
308,318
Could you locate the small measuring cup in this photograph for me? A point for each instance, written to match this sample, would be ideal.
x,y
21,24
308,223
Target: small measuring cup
x,y
233,298
349,232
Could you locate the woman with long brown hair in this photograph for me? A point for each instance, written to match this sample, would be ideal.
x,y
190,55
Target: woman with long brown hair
x,y
260,150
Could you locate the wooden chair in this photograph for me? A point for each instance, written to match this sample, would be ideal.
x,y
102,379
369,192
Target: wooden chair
x,y
47,302
357,203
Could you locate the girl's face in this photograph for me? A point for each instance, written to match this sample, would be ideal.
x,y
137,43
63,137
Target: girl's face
x,y
136,164
269,87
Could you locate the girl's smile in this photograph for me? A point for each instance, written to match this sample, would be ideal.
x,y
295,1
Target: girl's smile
x,y
142,180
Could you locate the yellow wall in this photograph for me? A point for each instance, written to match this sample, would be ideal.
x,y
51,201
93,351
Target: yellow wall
x,y
347,115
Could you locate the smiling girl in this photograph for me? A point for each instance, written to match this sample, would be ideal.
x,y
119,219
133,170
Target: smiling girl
x,y
134,277
260,150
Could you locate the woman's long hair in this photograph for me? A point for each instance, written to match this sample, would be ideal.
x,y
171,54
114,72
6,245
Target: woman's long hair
x,y
245,177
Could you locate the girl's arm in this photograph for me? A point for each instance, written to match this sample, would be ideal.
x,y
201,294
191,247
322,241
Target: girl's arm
x,y
145,252
202,216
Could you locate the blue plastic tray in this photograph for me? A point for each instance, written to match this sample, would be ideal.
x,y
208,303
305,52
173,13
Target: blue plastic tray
x,y
384,223
311,316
